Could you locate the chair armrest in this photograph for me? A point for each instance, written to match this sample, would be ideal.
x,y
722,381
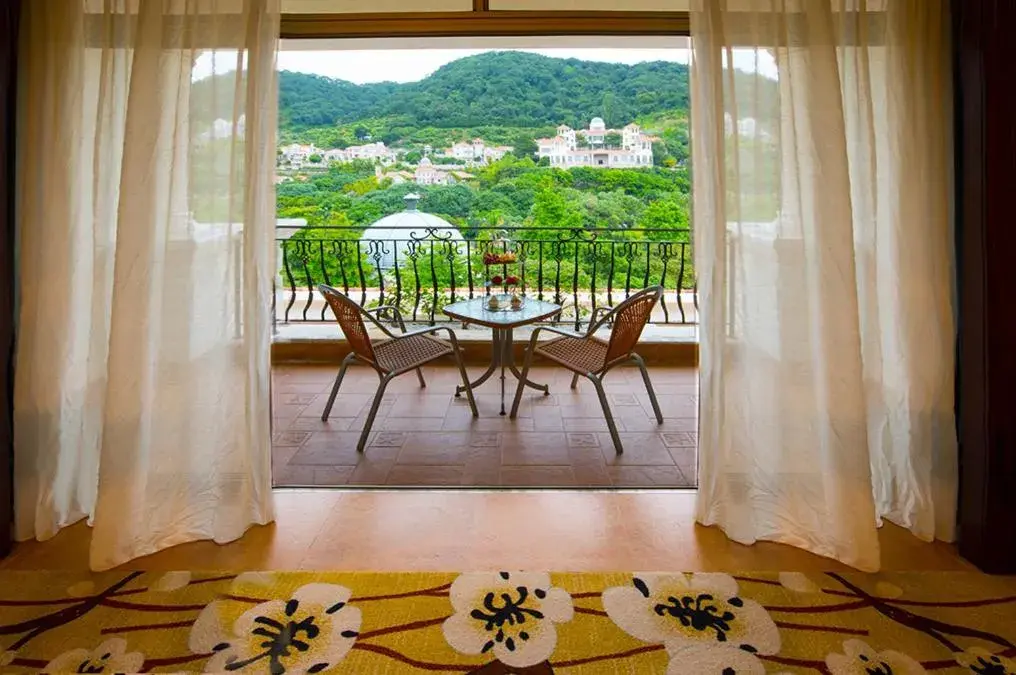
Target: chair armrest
x,y
593,323
393,310
427,330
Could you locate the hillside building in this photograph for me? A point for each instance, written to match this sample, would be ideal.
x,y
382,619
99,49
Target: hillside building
x,y
298,155
477,152
426,173
588,147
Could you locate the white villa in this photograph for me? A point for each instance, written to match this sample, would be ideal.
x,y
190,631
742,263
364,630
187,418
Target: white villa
x,y
477,152
297,155
636,149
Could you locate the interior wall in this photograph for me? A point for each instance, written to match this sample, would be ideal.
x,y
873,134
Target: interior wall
x,y
9,12
986,248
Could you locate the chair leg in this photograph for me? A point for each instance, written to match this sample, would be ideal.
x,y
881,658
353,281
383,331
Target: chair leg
x,y
522,381
606,413
373,412
575,381
419,376
649,387
335,387
465,381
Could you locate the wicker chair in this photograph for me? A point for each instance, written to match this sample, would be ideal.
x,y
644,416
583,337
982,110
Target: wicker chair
x,y
591,357
391,358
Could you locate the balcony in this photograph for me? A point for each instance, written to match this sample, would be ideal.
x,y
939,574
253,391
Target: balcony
x,y
426,437
421,271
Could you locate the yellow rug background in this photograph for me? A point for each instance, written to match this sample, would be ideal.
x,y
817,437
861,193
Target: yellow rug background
x,y
402,616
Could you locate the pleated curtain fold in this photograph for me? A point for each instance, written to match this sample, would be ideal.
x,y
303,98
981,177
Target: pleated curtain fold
x,y
146,226
821,140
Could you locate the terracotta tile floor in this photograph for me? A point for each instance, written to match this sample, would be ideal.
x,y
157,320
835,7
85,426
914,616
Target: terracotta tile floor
x,y
427,437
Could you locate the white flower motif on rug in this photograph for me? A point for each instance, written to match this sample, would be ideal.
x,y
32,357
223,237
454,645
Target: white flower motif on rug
x,y
712,660
510,615
860,659
983,662
308,633
109,657
705,625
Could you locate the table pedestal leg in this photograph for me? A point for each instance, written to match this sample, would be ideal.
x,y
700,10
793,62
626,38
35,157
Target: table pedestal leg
x,y
502,356
506,355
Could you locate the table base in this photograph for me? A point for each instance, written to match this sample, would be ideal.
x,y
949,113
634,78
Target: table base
x,y
502,357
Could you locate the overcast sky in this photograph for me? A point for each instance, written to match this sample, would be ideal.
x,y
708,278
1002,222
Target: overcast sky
x,y
411,65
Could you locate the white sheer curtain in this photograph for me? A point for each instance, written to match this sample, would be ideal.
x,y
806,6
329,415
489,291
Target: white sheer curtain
x,y
146,220
821,148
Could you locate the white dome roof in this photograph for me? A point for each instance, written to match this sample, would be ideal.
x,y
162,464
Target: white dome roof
x,y
597,123
425,161
402,228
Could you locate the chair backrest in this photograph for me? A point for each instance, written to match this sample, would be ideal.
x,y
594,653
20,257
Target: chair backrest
x,y
349,315
630,318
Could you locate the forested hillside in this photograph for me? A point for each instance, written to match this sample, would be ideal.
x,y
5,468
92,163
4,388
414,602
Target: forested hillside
x,y
507,89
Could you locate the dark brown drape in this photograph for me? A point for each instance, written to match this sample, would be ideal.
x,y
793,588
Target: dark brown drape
x,y
986,251
9,12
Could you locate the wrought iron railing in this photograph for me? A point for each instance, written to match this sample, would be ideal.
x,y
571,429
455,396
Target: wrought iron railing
x,y
425,269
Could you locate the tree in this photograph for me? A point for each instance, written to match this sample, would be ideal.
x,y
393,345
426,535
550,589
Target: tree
x,y
660,153
455,201
551,209
612,140
611,210
668,215
524,146
364,185
609,103
361,132
413,156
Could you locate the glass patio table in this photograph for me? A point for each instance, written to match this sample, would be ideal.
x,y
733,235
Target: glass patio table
x,y
502,323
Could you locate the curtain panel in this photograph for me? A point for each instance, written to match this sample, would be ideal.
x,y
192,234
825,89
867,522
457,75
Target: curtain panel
x,y
146,220
821,135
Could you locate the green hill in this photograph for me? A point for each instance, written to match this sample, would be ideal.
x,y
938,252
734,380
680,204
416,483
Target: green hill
x,y
506,89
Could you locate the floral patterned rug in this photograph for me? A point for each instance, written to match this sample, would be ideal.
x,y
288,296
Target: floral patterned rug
x,y
507,622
